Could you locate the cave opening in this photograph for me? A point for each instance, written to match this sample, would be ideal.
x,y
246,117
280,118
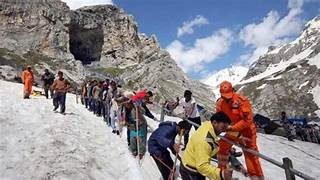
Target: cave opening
x,y
85,44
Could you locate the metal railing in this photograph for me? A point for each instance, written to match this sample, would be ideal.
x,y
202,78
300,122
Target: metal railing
x,y
286,163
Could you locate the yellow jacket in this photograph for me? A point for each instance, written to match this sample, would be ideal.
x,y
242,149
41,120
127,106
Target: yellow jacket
x,y
201,147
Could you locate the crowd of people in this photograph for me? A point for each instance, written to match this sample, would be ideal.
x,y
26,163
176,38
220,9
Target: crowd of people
x,y
117,108
58,87
234,117
308,133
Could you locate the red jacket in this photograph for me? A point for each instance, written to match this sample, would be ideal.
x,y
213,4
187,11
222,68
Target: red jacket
x,y
139,95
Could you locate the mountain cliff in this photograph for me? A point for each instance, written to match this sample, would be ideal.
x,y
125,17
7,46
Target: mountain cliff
x,y
90,42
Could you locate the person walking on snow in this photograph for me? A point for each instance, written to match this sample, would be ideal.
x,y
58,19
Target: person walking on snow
x,y
203,145
242,129
105,103
114,97
190,112
97,96
47,79
84,93
161,139
28,80
137,125
90,94
60,87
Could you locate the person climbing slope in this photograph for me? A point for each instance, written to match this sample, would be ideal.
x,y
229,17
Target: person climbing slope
x,y
27,80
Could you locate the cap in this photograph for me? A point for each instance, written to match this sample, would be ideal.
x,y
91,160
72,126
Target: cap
x,y
226,89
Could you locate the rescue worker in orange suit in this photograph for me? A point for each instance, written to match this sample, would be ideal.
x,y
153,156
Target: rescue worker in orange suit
x,y
241,130
27,79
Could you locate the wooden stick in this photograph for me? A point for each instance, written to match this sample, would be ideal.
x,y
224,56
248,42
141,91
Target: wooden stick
x,y
171,177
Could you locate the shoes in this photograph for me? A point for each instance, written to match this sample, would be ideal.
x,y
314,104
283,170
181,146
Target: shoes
x,y
113,131
55,108
118,132
141,156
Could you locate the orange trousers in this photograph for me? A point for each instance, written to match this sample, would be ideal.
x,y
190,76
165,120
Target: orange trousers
x,y
252,161
27,88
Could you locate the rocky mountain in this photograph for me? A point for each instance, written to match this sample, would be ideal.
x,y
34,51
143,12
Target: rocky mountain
x,y
286,78
234,74
90,42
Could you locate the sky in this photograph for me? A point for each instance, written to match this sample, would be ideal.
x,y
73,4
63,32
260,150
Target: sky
x,y
206,36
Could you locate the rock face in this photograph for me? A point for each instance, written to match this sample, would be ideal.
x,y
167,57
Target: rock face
x,y
90,42
286,78
37,25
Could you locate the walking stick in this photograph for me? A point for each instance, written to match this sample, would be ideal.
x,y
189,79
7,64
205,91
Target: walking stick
x,y
171,177
137,135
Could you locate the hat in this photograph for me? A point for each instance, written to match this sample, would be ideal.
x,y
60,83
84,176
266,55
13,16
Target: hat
x,y
226,89
220,117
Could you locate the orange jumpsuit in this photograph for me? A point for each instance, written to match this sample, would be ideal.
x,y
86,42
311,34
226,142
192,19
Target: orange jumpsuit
x,y
27,80
238,108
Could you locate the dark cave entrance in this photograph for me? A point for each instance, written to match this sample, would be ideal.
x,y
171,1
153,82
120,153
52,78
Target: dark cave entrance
x,y
85,44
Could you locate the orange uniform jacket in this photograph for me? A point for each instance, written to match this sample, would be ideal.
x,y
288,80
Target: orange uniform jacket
x,y
27,80
239,111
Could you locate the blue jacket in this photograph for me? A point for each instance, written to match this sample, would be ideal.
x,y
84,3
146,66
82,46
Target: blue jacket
x,y
163,138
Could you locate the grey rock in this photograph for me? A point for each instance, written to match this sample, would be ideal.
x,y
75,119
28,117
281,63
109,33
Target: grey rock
x,y
288,89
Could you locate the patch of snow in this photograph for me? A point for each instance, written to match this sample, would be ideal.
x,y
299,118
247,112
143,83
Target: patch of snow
x,y
37,143
314,122
274,68
315,61
318,114
314,23
288,48
233,75
276,50
303,84
316,97
274,78
7,72
262,86
241,88
292,69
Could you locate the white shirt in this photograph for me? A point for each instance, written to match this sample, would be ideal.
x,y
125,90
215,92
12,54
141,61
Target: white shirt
x,y
188,107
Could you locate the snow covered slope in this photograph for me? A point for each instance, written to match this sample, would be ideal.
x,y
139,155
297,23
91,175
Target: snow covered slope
x,y
37,143
287,77
234,74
